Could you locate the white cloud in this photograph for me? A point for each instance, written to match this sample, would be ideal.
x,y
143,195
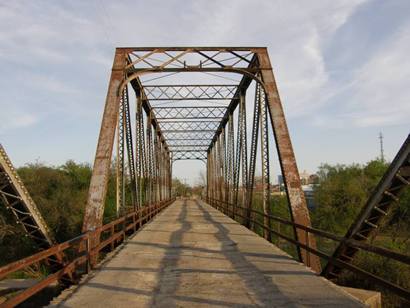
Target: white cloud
x,y
58,55
13,119
382,92
378,93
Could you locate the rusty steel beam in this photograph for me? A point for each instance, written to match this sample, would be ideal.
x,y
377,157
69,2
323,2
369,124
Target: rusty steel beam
x,y
191,112
189,125
242,87
367,224
201,48
137,86
94,209
17,199
265,165
296,198
189,92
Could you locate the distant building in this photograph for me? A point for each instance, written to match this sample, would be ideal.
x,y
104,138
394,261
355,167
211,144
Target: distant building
x,y
304,177
308,192
313,179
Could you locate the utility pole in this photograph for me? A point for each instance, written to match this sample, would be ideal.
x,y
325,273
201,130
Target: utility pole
x,y
381,147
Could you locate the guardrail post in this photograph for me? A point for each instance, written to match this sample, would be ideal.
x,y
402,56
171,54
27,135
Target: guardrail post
x,y
307,245
140,215
124,228
88,252
112,231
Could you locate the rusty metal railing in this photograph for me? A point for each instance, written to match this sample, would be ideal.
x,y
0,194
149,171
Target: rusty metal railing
x,y
82,260
227,208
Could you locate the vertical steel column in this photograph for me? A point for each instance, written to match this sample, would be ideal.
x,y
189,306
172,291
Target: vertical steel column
x,y
220,161
130,147
120,161
214,177
265,166
241,154
156,167
237,162
223,165
161,169
244,149
170,161
94,210
208,170
296,198
145,161
252,160
210,173
140,159
167,174
149,161
231,159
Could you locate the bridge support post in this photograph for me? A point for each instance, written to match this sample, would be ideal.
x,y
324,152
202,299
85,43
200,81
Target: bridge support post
x,y
94,210
296,198
99,180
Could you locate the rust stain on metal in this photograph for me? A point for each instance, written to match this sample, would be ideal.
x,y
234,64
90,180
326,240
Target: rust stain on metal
x,y
297,202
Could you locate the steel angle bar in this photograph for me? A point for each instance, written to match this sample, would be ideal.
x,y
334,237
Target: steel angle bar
x,y
210,112
265,164
295,195
190,92
183,125
380,203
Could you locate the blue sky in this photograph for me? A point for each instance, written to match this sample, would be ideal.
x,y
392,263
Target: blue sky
x,y
342,69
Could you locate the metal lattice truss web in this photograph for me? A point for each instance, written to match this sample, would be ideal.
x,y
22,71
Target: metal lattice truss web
x,y
186,92
189,115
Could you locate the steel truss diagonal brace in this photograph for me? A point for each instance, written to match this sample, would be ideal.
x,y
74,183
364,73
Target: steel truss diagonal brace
x,y
99,180
380,203
296,198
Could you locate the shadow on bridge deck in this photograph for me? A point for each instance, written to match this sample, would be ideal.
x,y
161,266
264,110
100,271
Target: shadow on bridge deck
x,y
191,255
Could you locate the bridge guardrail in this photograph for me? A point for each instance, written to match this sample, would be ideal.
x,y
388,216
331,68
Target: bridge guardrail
x,y
110,234
227,208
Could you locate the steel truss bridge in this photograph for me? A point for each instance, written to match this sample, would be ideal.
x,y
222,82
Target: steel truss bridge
x,y
230,126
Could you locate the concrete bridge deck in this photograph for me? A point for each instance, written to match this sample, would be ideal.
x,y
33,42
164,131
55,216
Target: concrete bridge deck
x,y
191,255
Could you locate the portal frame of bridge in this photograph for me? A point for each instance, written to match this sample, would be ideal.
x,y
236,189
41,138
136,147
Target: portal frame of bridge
x,y
150,165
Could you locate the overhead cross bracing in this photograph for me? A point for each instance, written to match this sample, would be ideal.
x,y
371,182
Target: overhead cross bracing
x,y
190,92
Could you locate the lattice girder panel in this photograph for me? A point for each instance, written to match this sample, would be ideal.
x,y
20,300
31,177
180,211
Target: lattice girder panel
x,y
188,135
183,142
189,155
190,92
189,125
188,148
175,57
210,112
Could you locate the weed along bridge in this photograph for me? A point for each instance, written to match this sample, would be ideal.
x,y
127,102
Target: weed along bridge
x,y
221,106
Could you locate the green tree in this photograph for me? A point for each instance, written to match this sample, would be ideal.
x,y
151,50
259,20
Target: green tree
x,y
180,189
341,193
